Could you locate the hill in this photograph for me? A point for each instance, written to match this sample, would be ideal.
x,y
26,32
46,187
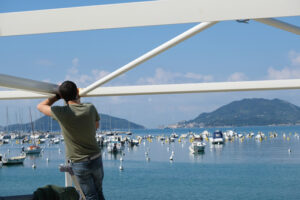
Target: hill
x,y
248,112
46,123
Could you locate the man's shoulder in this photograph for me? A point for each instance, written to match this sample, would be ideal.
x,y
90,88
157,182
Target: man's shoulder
x,y
88,104
58,108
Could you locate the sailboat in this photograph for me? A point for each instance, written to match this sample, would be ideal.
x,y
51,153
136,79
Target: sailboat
x,y
33,149
13,160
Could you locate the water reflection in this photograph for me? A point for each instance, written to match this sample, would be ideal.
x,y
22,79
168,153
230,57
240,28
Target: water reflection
x,y
197,157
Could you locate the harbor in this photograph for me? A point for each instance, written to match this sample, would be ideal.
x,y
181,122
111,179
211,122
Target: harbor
x,y
267,168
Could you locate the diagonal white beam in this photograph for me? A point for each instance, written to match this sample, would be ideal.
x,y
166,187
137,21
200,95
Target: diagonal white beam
x,y
176,40
281,25
142,14
172,89
27,84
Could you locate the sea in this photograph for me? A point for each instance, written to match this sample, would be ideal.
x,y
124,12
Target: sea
x,y
241,169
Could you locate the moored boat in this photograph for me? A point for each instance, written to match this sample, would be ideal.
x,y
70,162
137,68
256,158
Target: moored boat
x,y
13,160
217,138
114,147
33,149
197,147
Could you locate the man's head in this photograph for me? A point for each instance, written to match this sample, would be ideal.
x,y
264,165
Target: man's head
x,y
68,91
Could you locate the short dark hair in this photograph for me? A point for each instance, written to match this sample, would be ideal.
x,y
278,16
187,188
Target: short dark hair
x,y
68,91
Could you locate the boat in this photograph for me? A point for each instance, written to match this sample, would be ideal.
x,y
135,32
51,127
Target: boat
x,y
114,147
33,149
197,147
260,136
133,142
55,140
217,137
13,160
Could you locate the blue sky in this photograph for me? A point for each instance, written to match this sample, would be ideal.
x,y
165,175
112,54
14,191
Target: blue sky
x,y
228,51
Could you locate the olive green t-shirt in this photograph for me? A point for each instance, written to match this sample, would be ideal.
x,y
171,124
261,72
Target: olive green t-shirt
x,y
78,125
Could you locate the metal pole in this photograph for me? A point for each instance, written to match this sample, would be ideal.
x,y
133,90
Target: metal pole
x,y
187,34
280,24
27,84
288,84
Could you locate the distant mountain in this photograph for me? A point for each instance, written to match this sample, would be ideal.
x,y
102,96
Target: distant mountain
x,y
248,112
45,123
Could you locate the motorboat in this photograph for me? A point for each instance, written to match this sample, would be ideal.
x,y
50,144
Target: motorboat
x,y
114,147
197,147
217,137
133,142
55,140
13,160
33,149
260,136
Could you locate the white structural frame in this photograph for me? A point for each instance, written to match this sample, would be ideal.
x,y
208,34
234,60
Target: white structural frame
x,y
137,14
238,86
134,14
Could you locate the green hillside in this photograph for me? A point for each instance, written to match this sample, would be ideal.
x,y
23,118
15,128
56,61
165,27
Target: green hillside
x,y
248,112
44,123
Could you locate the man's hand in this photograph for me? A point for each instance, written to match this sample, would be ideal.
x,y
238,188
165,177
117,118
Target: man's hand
x,y
45,106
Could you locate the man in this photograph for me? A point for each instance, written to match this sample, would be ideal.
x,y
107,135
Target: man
x,y
78,122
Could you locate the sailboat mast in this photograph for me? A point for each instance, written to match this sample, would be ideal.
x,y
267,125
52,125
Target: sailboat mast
x,y
7,120
32,128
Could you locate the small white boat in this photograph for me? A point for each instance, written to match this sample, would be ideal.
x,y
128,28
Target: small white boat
x,y
133,142
184,135
55,140
33,149
114,147
13,160
260,136
197,147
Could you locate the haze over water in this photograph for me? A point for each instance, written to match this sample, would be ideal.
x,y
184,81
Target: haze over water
x,y
246,169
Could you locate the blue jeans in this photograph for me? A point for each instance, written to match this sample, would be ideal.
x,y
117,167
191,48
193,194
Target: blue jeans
x,y
90,175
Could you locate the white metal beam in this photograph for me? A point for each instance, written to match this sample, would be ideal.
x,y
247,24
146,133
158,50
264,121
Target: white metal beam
x,y
27,84
281,25
142,14
174,41
197,88
172,89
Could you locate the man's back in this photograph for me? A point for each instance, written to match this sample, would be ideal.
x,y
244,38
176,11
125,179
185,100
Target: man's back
x,y
78,124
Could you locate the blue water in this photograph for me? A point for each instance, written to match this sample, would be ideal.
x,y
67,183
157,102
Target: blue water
x,y
236,170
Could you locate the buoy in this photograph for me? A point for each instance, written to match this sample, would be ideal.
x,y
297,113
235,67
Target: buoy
x,y
47,159
121,167
147,158
289,150
33,166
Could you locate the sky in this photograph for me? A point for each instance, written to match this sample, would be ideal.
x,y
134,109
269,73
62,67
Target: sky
x,y
228,51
